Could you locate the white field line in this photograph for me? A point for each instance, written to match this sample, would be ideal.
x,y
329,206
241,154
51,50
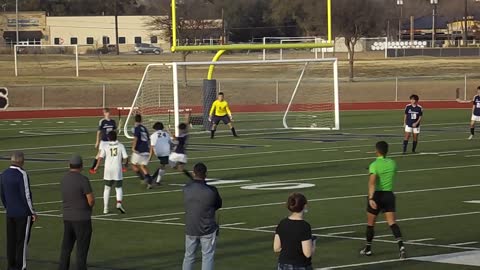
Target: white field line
x,y
311,200
420,240
447,155
48,211
232,224
305,179
352,151
270,232
465,243
167,219
259,153
383,236
472,201
400,220
340,233
105,215
362,264
472,156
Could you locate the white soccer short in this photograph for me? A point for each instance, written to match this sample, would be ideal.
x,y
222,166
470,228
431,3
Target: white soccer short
x,y
475,118
140,159
411,129
178,158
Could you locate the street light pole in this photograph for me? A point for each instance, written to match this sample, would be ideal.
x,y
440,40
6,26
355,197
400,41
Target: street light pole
x,y
117,48
400,4
434,29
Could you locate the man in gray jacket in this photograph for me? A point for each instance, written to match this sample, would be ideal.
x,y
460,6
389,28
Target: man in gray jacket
x,y
201,202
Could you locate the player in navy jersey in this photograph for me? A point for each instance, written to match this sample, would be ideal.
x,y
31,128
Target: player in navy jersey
x,y
411,121
141,151
475,113
105,126
179,157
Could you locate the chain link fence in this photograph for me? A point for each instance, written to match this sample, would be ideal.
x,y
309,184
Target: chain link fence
x,y
265,92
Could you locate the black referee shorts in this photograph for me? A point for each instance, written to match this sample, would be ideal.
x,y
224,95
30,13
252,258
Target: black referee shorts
x,y
385,201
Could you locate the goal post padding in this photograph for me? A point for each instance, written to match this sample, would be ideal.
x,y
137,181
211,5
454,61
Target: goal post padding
x,y
263,95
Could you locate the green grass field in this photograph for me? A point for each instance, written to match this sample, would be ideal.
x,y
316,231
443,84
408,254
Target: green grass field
x,y
431,189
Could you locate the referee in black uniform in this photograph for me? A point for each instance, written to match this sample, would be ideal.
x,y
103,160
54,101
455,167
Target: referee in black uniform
x,y
17,200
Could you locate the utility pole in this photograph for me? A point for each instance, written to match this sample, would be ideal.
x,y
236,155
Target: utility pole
x,y
400,4
117,48
434,29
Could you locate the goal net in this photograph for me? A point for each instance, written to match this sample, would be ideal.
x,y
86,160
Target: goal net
x,y
46,60
263,95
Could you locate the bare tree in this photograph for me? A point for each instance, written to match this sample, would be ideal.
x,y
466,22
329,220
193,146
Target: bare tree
x,y
194,22
356,19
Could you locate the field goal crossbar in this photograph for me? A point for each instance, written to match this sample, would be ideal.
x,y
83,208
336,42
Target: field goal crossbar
x,y
15,52
176,106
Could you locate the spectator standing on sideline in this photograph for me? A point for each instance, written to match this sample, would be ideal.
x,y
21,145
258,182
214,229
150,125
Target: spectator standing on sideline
x,y
78,201
201,202
293,237
17,200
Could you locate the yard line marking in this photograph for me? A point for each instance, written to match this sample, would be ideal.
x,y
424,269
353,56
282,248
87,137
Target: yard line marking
x,y
269,231
362,264
316,200
313,179
471,201
105,215
167,219
265,227
48,211
420,240
383,236
340,233
402,219
465,244
447,155
160,215
257,153
232,224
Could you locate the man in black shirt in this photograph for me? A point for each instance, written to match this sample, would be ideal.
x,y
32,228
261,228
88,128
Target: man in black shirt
x,y
201,202
78,201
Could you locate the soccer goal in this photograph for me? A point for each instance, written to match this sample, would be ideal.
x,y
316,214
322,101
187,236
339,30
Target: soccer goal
x,y
55,60
263,95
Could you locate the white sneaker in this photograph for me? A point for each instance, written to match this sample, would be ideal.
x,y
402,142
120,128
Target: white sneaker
x,y
470,138
120,208
105,211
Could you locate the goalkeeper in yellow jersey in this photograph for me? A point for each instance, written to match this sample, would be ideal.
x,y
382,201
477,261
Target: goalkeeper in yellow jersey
x,y
221,112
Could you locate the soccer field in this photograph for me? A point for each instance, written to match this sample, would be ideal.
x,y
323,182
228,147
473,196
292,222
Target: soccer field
x,y
328,167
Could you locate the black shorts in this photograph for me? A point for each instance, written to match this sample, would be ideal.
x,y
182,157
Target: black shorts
x,y
163,160
385,201
282,266
111,183
225,119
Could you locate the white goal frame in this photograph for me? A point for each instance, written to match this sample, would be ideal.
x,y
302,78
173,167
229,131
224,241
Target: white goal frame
x,y
41,46
174,66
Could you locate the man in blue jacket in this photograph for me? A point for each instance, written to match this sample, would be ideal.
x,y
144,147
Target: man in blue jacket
x,y
17,200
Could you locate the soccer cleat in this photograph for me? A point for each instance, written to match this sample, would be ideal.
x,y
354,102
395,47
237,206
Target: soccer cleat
x,y
403,253
367,252
105,211
120,208
149,186
470,138
92,171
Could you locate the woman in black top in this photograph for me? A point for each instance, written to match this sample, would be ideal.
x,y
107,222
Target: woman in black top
x,y
293,237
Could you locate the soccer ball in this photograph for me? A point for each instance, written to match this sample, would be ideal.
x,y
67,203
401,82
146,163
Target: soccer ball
x,y
313,125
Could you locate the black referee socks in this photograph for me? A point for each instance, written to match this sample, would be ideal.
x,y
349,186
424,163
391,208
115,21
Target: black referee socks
x,y
398,234
234,132
370,235
472,131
